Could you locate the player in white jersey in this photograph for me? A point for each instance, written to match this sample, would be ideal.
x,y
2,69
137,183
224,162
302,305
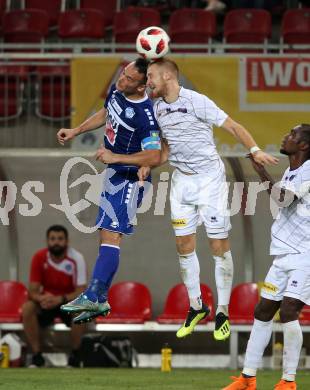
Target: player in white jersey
x,y
287,284
198,189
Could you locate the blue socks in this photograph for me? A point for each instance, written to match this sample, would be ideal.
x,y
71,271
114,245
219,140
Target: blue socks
x,y
104,271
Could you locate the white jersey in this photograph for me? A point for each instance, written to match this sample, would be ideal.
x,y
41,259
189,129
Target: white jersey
x,y
187,125
290,233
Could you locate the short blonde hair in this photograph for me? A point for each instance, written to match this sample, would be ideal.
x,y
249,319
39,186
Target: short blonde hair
x,y
168,64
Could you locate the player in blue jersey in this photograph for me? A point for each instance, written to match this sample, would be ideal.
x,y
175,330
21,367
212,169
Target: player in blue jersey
x,y
131,140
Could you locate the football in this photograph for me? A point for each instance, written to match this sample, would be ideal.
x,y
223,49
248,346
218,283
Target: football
x,y
152,43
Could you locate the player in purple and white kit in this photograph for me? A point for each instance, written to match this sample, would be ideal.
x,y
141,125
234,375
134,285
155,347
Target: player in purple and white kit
x,y
131,140
198,185
287,284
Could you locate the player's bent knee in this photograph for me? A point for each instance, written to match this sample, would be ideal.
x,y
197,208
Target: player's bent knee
x,y
29,309
111,238
185,244
290,310
265,311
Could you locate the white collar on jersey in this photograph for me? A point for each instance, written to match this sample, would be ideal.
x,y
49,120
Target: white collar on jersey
x,y
145,97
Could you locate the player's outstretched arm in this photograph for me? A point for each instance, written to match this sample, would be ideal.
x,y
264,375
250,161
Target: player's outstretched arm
x,y
92,123
243,136
283,197
145,158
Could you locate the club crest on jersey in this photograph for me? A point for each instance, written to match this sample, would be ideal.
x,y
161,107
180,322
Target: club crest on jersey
x,y
129,112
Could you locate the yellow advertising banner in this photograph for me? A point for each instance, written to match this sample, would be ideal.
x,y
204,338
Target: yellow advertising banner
x,y
90,80
268,95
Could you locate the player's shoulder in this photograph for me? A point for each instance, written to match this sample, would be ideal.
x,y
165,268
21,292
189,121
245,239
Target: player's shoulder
x,y
75,255
193,98
190,94
305,169
40,256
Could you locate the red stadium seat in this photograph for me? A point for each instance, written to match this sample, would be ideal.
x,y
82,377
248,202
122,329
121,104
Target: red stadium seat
x,y
53,92
131,303
23,26
86,23
12,84
177,305
296,28
304,317
13,296
129,22
247,26
244,298
107,7
51,7
190,25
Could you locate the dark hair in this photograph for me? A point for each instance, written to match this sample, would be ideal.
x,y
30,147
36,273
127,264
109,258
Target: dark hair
x,y
141,64
305,135
169,64
57,228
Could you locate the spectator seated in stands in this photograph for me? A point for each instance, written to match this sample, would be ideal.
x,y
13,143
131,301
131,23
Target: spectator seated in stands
x,y
58,275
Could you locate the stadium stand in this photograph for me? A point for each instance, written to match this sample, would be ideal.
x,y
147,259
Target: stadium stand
x,y
129,22
177,303
131,302
305,315
51,7
243,314
107,7
295,28
81,24
25,26
189,25
13,296
247,26
53,92
12,85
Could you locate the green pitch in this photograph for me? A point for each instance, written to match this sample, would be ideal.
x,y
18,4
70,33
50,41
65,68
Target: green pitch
x,y
134,379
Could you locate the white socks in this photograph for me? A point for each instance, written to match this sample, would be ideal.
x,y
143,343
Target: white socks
x,y
292,344
258,341
190,271
224,271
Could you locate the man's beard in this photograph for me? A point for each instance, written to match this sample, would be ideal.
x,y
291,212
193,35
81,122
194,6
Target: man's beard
x,y
283,151
57,250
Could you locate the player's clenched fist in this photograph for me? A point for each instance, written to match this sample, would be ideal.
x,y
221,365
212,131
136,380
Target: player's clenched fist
x,y
105,155
64,135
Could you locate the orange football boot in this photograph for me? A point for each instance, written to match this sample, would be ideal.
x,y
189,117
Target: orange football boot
x,y
284,385
242,383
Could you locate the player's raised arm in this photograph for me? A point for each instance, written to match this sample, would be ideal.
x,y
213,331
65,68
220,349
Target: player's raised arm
x,y
92,123
282,196
243,136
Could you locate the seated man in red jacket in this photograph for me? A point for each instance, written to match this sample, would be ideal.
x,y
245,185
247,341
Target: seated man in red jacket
x,y
58,275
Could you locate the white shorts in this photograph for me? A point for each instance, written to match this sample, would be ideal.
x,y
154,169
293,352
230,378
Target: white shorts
x,y
200,198
289,276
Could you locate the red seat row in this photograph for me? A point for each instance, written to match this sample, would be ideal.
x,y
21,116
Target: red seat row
x,y
52,89
186,25
131,302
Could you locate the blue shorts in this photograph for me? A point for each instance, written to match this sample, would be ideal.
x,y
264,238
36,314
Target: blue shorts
x,y
120,198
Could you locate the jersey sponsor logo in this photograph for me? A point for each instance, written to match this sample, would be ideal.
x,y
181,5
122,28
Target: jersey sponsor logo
x,y
270,288
129,112
183,110
111,129
116,106
181,222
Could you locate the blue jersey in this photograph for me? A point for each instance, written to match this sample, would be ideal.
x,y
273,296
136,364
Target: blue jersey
x,y
130,125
